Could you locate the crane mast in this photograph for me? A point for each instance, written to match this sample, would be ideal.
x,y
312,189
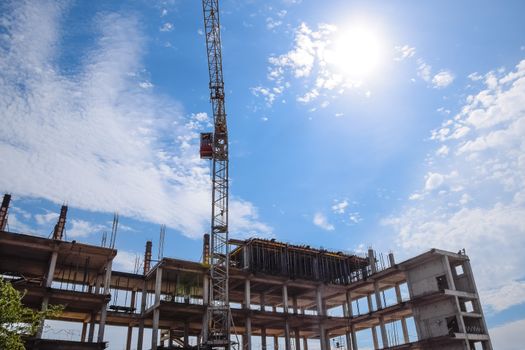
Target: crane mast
x,y
216,327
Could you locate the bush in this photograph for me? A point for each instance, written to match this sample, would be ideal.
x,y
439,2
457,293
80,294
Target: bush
x,y
16,320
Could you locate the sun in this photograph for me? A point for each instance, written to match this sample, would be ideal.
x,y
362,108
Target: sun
x,y
356,52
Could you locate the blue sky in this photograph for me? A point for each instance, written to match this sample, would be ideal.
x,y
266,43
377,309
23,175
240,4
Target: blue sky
x,y
410,139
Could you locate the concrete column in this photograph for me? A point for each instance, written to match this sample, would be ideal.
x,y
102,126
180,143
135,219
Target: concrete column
x,y
130,327
403,319
351,340
349,304
140,336
287,344
248,326
487,345
51,269
155,329
369,300
45,302
297,339
275,342
247,294
247,341
372,260
294,305
319,301
186,334
391,259
246,257
91,333
107,277
205,302
170,341
328,346
322,337
48,284
97,284
348,338
305,343
398,294
103,312
156,311
262,302
384,335
374,338
404,327
84,331
263,338
285,298
102,323
128,337
448,273
379,304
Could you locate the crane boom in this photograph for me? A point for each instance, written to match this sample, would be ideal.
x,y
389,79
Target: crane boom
x,y
216,330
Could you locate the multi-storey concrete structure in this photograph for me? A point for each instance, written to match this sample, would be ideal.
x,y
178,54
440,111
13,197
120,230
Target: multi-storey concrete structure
x,y
282,296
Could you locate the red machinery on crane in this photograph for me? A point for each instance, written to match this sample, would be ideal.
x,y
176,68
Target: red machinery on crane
x,y
214,146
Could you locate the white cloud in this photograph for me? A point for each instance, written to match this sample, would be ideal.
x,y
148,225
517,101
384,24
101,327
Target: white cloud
x,y
440,80
146,85
509,336
244,221
442,151
505,296
340,206
424,70
267,93
321,221
416,196
24,213
354,218
473,193
434,180
308,62
81,228
272,23
309,96
14,224
404,52
45,219
96,139
201,117
166,27
443,79
125,261
475,76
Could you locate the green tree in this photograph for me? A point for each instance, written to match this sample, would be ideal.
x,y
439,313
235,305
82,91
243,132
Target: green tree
x,y
16,320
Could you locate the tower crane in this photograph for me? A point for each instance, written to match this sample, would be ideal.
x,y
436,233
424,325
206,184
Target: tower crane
x,y
214,146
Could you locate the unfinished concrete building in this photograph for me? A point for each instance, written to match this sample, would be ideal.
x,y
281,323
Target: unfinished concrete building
x,y
282,296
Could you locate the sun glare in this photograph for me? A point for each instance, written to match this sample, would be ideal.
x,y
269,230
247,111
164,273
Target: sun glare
x,y
357,52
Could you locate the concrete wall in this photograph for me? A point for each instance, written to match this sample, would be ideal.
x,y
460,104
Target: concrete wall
x,y
432,318
422,278
463,281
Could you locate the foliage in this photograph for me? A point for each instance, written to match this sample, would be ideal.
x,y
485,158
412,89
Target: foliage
x,y
17,320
